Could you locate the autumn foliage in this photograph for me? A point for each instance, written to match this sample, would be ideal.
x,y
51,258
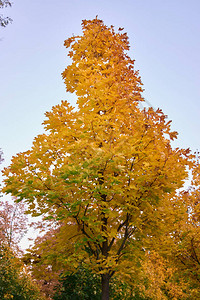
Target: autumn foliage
x,y
108,170
15,280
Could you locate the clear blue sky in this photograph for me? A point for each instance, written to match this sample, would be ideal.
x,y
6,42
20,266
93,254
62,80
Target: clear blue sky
x,y
165,42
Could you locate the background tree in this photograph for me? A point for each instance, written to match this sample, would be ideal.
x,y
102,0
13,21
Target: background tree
x,y
4,21
81,284
13,223
108,166
47,257
186,249
14,281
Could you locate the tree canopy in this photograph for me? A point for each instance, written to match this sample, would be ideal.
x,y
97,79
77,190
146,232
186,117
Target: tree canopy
x,y
107,168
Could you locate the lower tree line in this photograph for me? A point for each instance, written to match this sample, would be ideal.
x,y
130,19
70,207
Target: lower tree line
x,y
45,270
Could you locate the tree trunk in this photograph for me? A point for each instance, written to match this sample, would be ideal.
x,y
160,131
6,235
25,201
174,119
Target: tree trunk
x,y
105,286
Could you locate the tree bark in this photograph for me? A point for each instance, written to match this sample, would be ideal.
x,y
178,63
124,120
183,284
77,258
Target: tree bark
x,y
105,286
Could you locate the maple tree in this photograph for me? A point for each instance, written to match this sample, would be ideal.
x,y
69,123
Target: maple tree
x,y
107,167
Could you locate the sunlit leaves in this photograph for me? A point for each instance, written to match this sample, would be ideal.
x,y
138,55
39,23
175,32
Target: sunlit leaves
x,y
107,168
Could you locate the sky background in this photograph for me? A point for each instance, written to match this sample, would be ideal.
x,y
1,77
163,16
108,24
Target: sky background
x,y
165,42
